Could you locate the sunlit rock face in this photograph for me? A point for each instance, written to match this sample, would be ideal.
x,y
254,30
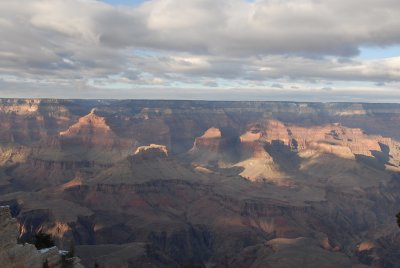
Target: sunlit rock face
x,y
153,150
216,147
204,183
210,140
92,130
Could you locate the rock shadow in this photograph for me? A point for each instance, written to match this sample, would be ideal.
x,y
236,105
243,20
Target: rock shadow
x,y
284,156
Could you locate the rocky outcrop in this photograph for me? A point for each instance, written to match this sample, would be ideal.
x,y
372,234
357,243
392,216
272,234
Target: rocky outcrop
x,y
349,139
215,147
90,130
333,139
13,255
263,145
210,141
153,150
20,107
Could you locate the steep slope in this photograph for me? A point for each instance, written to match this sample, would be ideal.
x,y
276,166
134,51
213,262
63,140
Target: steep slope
x,y
25,255
299,252
91,130
257,163
215,147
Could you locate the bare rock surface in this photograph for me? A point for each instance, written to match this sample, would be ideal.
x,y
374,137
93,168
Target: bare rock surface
x,y
13,255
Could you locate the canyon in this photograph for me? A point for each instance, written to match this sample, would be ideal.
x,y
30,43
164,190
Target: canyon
x,y
151,183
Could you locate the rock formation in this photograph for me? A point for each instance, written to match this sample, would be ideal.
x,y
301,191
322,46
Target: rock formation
x,y
210,140
13,255
153,150
203,183
90,130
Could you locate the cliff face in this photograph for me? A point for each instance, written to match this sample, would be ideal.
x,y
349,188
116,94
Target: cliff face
x,y
204,182
17,255
302,138
92,130
152,151
25,255
210,140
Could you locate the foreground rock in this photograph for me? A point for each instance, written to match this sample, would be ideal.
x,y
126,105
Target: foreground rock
x,y
13,255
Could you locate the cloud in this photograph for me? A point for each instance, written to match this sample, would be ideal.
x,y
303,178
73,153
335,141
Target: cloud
x,y
169,42
270,68
276,85
329,68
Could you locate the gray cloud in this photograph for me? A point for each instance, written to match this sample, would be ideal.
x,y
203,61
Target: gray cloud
x,y
276,85
70,42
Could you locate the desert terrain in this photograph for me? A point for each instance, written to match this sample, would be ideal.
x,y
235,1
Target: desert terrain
x,y
137,183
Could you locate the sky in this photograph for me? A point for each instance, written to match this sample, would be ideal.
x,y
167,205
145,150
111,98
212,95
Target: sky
x,y
292,50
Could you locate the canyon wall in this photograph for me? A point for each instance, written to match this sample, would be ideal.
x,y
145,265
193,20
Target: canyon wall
x,y
203,183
